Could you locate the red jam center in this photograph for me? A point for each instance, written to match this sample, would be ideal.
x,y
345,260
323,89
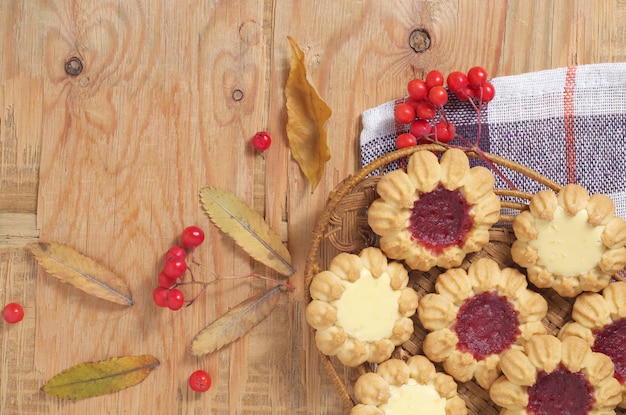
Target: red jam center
x,y
486,324
560,392
440,219
611,340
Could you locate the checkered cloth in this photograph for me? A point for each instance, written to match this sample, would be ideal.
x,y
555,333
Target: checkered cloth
x,y
568,124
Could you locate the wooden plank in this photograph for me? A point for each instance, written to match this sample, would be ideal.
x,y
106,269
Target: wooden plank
x,y
111,161
133,137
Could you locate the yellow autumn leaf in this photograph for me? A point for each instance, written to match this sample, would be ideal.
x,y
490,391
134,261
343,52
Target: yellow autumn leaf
x,y
235,323
100,378
247,228
80,271
306,115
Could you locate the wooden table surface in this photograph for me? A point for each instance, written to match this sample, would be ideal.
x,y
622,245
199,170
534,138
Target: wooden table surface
x,y
110,162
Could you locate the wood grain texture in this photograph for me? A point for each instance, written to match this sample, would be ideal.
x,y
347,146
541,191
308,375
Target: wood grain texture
x,y
111,161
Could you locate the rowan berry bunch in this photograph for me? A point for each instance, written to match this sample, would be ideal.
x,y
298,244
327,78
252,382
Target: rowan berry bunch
x,y
423,110
176,272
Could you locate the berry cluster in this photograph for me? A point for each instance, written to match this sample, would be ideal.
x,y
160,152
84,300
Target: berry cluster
x,y
167,294
423,109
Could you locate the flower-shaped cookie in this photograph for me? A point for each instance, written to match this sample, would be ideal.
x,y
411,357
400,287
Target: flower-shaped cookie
x,y
361,307
436,212
571,242
414,387
477,315
600,319
551,376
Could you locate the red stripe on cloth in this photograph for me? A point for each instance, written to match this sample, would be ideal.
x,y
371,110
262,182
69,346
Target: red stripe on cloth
x,y
568,124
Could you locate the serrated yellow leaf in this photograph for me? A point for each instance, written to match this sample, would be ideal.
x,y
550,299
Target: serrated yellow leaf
x,y
235,323
100,378
247,228
80,271
306,115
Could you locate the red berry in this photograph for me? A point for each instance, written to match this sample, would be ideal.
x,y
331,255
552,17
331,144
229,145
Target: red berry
x,y
457,81
466,93
192,236
174,268
444,131
417,89
486,92
438,96
165,281
476,76
159,296
426,110
200,381
420,128
404,113
434,78
261,141
13,313
176,252
175,299
405,140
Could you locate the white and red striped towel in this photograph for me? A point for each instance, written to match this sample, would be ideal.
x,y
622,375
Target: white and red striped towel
x,y
568,124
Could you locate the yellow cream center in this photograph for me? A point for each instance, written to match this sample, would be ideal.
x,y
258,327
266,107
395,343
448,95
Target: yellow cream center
x,y
568,245
368,308
414,399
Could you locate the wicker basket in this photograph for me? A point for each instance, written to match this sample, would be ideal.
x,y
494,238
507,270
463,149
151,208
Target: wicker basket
x,y
342,227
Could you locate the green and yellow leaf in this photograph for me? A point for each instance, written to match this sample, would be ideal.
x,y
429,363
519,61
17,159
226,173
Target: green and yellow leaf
x,y
306,115
80,271
100,378
247,228
238,321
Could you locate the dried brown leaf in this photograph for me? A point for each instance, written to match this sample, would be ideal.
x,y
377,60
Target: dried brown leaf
x,y
100,378
247,228
306,115
80,271
235,323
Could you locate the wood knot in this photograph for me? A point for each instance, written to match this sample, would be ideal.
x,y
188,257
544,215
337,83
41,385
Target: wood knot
x,y
419,40
73,66
237,95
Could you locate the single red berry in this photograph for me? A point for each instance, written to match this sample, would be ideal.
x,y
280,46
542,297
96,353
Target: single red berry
x,y
420,128
165,281
412,102
434,78
466,93
438,96
13,313
417,89
200,381
175,299
486,92
159,296
174,268
176,252
192,236
476,76
405,140
404,113
426,110
261,141
457,80
444,131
